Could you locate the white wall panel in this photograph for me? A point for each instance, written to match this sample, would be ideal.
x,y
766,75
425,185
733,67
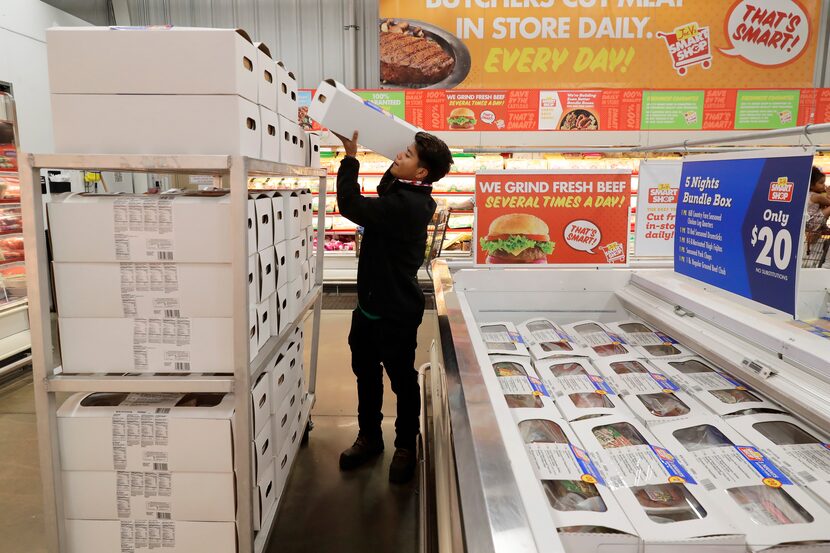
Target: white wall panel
x,y
307,35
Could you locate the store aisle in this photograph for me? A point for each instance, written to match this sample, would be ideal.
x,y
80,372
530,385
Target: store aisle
x,y
324,509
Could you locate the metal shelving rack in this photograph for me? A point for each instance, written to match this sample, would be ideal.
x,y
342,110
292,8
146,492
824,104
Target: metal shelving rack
x,y
47,383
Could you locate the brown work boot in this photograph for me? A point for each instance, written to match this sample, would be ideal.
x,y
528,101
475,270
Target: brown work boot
x,y
363,450
403,466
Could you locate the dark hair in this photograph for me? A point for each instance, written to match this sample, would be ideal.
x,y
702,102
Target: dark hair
x,y
433,155
815,176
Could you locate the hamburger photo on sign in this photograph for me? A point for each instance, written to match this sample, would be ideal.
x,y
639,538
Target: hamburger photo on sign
x,y
517,238
462,118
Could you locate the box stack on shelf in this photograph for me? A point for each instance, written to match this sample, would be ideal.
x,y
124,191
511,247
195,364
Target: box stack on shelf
x,y
167,303
635,440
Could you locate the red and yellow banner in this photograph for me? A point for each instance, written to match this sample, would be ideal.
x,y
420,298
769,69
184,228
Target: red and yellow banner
x,y
528,217
598,43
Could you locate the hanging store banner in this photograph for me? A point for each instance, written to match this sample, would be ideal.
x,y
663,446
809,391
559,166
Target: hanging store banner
x,y
598,43
740,222
552,217
657,191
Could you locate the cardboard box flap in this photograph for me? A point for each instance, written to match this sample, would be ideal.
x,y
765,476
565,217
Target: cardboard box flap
x,y
185,406
262,47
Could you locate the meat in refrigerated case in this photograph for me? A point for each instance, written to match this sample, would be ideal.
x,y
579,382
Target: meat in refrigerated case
x,y
705,341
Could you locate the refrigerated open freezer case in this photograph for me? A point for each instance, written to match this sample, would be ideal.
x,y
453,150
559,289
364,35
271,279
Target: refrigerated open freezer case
x,y
480,493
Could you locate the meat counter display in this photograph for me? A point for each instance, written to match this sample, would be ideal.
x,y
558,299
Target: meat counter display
x,y
623,410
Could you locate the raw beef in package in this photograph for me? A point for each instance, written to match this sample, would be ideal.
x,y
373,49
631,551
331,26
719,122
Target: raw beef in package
x,y
546,339
647,341
578,389
721,393
502,337
518,382
650,394
580,502
760,499
601,342
802,452
661,498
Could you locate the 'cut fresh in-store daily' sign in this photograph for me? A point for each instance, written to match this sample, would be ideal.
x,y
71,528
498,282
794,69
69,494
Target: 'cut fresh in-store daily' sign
x,y
552,217
657,192
740,222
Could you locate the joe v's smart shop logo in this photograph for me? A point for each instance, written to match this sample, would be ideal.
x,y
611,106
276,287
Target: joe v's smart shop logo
x,y
781,190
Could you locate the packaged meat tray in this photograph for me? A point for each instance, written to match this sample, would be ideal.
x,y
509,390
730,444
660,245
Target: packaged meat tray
x,y
546,340
757,496
515,375
718,391
502,338
662,499
657,407
630,375
578,497
801,451
648,342
599,339
578,389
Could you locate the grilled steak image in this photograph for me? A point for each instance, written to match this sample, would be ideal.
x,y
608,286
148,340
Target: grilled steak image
x,y
410,59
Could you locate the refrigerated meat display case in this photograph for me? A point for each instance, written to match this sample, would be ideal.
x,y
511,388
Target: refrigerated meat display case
x,y
482,479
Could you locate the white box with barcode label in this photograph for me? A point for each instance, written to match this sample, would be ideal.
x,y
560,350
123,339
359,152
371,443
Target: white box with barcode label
x,y
156,124
162,60
138,228
757,496
149,495
152,345
146,536
140,432
143,290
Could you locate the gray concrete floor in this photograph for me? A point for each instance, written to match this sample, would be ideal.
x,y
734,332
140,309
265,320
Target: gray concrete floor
x,y
322,508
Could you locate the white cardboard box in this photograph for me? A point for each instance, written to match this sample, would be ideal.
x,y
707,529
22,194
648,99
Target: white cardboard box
x,y
309,232
285,317
284,418
600,340
296,256
281,258
264,317
265,220
305,274
336,107
669,509
151,345
253,280
253,329
278,206
270,123
292,142
545,339
312,264
145,536
139,432
265,448
292,206
755,495
266,71
306,209
720,392
150,495
578,389
287,105
281,378
502,338
266,494
267,273
793,447
313,150
143,289
261,400
171,60
140,228
282,465
295,299
147,124
556,455
251,225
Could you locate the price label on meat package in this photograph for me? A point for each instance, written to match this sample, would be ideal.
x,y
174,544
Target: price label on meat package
x,y
731,466
808,463
563,462
143,228
642,465
515,385
643,383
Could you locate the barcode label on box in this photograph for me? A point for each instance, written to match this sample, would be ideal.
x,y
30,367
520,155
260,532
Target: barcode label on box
x,y
708,485
181,366
162,410
807,477
164,516
160,466
172,313
165,256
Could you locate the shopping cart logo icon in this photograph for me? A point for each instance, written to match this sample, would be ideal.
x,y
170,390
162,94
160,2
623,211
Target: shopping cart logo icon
x,y
614,252
688,45
781,190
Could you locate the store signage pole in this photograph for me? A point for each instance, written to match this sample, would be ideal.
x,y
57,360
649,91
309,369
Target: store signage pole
x,y
43,362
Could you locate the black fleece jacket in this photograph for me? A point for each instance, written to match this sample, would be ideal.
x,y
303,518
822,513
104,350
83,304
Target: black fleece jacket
x,y
394,242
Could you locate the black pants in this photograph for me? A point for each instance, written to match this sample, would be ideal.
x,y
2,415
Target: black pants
x,y
392,344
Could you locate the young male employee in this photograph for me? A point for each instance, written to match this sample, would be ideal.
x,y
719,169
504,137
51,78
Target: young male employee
x,y
390,301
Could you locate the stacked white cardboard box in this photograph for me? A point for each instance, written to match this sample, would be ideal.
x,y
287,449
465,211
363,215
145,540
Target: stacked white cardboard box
x,y
143,284
638,444
173,90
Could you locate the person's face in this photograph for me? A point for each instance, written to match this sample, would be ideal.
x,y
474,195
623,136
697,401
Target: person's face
x,y
406,165
819,187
